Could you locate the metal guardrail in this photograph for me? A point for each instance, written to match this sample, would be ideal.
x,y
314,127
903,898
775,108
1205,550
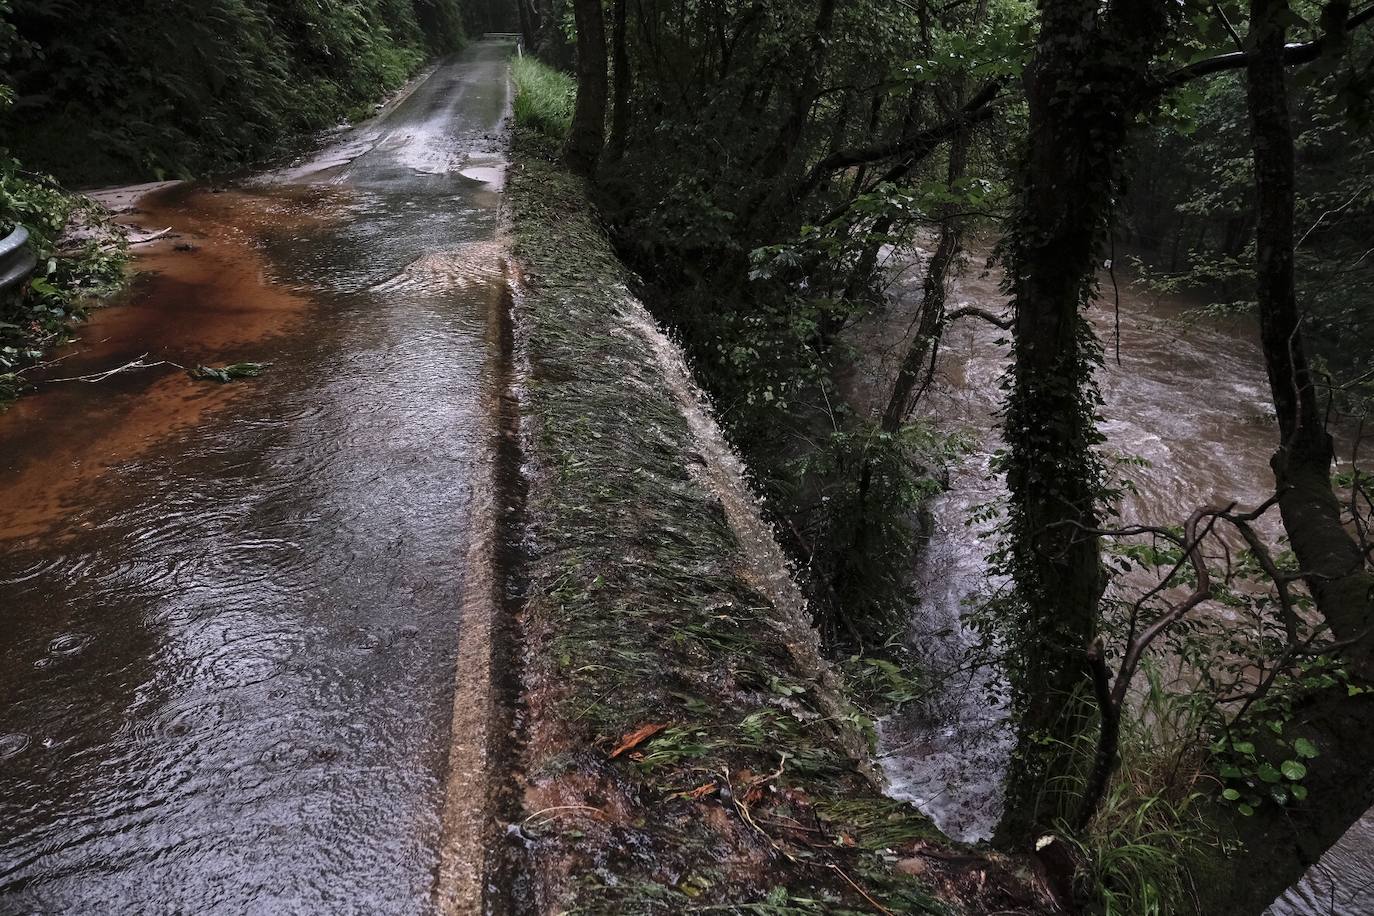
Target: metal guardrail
x,y
17,259
507,36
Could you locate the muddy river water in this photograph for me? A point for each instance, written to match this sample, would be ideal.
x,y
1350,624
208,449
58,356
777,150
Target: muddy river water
x,y
229,615
1193,400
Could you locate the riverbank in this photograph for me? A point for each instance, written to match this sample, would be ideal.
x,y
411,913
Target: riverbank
x,y
684,744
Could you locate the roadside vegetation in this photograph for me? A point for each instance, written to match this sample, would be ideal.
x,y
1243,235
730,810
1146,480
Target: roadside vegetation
x,y
71,273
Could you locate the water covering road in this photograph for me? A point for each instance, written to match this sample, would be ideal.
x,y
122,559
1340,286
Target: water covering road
x,y
230,615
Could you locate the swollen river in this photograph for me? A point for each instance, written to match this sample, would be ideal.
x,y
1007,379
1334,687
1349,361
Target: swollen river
x,y
1190,398
230,614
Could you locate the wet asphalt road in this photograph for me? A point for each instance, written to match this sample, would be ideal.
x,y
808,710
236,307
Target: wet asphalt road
x,y
229,617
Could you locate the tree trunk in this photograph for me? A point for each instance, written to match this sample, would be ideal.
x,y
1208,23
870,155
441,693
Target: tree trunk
x,y
587,133
803,96
905,390
773,165
1337,575
1051,430
1280,843
527,25
932,318
620,96
1085,84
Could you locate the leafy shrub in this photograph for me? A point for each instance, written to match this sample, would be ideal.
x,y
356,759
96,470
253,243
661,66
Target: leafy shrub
x,y
36,314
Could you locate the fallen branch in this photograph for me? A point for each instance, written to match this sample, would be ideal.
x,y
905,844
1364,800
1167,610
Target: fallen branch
x,y
130,366
199,373
152,238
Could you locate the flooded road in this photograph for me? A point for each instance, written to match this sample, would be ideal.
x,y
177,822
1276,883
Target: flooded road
x,y
1190,398
230,615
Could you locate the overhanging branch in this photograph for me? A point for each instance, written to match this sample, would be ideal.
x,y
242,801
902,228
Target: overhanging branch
x,y
1293,55
910,148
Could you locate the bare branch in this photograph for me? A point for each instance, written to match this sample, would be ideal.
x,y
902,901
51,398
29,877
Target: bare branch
x,y
911,148
127,367
969,311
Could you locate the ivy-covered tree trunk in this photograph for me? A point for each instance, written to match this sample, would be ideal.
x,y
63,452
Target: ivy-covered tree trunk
x,y
1083,88
1050,422
587,134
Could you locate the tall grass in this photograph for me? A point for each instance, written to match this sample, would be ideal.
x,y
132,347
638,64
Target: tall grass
x,y
1151,823
543,98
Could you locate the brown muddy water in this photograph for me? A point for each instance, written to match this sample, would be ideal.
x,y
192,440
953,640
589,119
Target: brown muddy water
x,y
1192,399
230,615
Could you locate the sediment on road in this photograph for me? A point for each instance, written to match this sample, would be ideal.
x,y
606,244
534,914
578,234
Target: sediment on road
x,y
683,743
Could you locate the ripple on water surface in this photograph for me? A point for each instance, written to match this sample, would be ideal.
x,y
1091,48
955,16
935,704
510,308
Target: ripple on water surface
x,y
250,636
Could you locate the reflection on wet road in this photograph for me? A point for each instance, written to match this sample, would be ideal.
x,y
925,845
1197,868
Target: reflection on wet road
x,y
229,615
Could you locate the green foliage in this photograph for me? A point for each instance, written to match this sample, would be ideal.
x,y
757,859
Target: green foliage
x,y
543,98
1239,673
170,89
69,274
870,486
1190,209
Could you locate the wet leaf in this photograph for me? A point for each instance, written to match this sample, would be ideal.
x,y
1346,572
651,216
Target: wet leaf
x,y
1231,795
1293,769
1299,792
223,374
637,737
1267,773
1304,748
